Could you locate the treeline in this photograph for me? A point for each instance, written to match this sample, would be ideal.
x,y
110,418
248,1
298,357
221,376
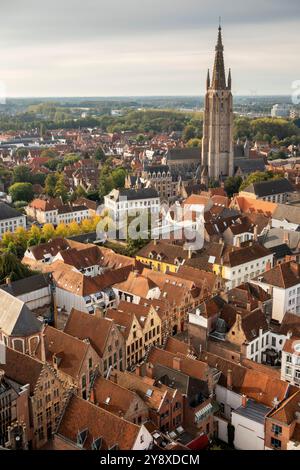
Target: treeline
x,y
273,130
156,121
18,241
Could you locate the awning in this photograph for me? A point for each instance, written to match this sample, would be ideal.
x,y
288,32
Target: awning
x,y
199,443
203,412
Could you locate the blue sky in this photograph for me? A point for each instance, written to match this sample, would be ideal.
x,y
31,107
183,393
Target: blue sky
x,y
146,47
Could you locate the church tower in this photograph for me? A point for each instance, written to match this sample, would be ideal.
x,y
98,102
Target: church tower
x,y
217,142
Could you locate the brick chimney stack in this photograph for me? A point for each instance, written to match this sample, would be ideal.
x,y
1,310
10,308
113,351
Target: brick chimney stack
x,y
177,363
229,379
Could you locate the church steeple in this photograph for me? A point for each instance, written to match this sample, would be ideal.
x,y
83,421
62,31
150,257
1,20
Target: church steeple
x,y
208,80
217,157
229,80
218,79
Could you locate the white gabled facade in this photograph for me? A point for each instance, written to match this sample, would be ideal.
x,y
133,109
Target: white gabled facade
x,y
67,300
284,300
290,362
120,207
11,224
237,275
144,440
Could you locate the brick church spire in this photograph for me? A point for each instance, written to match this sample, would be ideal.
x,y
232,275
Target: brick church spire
x,y
218,78
217,156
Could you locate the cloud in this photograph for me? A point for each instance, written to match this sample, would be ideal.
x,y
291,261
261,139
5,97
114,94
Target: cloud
x,y
141,47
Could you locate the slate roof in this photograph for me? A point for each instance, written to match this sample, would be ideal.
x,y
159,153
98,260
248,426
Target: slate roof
x,y
276,236
286,212
7,212
15,317
248,165
26,285
271,187
253,411
184,154
133,194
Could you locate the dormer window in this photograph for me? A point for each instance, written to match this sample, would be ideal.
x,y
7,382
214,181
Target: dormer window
x,y
81,437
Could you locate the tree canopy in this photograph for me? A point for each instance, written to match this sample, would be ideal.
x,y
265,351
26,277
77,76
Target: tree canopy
x,y
12,268
21,192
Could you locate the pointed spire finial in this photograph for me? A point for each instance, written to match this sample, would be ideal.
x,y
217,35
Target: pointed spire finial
x,y
218,79
229,79
208,80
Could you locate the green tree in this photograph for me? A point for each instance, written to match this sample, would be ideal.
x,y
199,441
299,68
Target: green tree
x,y
242,128
48,153
50,184
189,133
99,154
194,143
34,235
80,192
232,185
48,232
22,152
22,174
257,177
21,192
12,268
60,188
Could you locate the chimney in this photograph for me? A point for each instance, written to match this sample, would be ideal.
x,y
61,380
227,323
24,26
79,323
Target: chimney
x,y
238,321
99,313
177,363
113,377
43,348
255,233
8,281
286,238
92,395
289,334
244,401
268,265
229,379
138,370
149,370
190,253
55,361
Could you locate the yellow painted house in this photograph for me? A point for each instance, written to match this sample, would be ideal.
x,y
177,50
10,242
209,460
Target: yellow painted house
x,y
161,256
